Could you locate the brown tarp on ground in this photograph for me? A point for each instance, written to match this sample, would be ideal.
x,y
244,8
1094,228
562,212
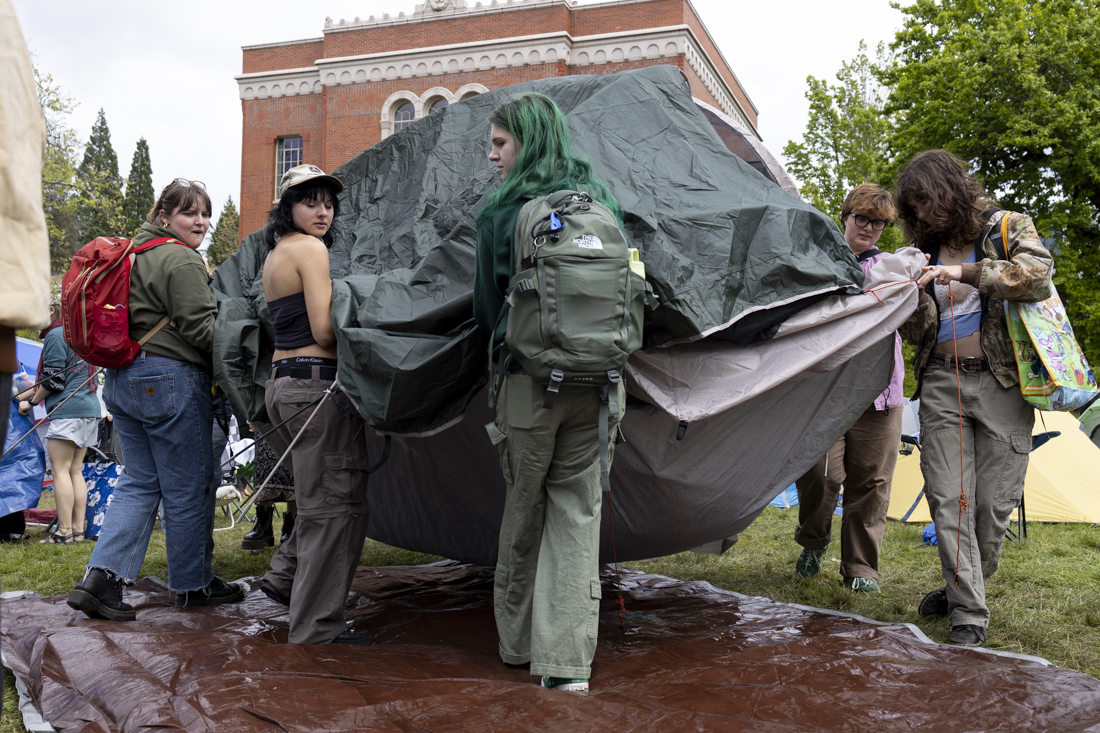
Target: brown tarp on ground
x,y
693,658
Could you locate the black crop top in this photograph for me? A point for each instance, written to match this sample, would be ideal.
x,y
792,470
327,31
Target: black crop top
x,y
290,320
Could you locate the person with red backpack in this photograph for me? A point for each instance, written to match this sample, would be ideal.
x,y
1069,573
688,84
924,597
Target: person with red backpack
x,y
162,406
67,386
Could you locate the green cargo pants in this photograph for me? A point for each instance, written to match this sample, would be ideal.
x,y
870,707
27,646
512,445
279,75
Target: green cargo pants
x,y
547,587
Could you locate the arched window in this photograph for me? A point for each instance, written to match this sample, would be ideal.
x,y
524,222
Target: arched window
x,y
468,95
438,103
403,116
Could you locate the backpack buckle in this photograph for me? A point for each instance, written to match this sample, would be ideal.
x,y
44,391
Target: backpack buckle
x,y
556,378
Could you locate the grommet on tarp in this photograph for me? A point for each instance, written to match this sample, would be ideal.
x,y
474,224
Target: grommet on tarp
x,y
682,430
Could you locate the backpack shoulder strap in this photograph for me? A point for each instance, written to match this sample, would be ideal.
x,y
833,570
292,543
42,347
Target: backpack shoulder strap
x,y
996,236
156,243
868,254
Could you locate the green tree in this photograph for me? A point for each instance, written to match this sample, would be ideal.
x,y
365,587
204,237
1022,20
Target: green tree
x,y
1013,86
99,186
845,140
139,189
226,237
58,172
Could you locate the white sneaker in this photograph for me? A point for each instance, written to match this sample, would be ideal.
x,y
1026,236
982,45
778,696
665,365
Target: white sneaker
x,y
565,684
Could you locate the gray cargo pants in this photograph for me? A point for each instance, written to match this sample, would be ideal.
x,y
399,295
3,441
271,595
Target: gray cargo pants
x,y
316,565
547,586
996,441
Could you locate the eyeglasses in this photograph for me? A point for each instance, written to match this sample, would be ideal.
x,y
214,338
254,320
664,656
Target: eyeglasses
x,y
877,224
188,184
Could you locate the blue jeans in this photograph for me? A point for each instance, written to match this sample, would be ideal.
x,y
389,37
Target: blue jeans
x,y
162,410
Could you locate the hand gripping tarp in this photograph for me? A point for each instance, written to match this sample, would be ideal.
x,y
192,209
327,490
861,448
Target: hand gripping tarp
x,y
729,253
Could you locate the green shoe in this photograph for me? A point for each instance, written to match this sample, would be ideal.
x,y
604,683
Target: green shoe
x,y
565,684
862,585
809,562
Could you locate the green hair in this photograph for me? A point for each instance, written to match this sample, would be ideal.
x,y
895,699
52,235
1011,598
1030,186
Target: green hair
x,y
544,156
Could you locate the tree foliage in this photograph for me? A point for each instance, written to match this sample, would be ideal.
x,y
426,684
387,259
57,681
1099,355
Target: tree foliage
x,y
58,172
226,237
845,140
99,186
1013,86
139,189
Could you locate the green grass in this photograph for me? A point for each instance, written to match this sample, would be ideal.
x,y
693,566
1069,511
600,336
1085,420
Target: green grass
x,y
1045,600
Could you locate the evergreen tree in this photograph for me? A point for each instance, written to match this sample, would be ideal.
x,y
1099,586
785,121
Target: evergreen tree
x,y
58,173
226,237
99,186
139,189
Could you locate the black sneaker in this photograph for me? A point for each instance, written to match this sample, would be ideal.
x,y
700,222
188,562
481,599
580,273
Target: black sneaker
x,y
269,590
216,593
353,637
934,603
967,635
99,595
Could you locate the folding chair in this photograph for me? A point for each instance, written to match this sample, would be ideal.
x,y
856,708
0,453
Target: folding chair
x,y
1017,535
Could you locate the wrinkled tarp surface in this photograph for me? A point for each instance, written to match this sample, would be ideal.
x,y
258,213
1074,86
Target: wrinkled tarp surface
x,y
693,658
727,250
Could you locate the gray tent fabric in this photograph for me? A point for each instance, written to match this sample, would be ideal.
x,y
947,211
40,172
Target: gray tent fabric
x,y
729,253
444,493
722,244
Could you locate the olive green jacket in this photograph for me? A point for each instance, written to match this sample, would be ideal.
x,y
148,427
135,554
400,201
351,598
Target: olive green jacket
x,y
172,280
1025,277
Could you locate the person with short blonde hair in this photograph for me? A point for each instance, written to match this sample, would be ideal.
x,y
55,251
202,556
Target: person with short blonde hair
x,y
863,459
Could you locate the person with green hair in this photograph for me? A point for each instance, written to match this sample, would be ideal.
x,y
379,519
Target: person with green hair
x,y
547,585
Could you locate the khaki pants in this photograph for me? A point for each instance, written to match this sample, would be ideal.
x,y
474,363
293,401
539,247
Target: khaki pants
x,y
996,441
547,587
316,565
863,462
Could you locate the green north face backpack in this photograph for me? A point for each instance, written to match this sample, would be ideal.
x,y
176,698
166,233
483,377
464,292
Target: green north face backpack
x,y
576,302
576,305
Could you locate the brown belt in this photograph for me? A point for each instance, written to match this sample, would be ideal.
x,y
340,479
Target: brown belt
x,y
966,363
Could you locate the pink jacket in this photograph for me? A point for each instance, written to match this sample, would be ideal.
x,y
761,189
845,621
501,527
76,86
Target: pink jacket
x,y
892,397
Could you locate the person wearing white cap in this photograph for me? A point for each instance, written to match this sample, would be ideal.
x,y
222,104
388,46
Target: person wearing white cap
x,y
312,571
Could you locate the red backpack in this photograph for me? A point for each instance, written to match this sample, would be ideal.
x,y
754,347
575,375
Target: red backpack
x,y
95,301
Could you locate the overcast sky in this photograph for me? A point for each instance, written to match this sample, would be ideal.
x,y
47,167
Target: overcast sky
x,y
164,71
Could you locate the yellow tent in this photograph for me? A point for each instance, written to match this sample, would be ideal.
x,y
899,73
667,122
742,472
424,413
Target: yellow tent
x,y
1063,478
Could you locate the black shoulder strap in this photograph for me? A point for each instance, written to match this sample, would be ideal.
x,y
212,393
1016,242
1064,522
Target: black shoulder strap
x,y
991,230
868,254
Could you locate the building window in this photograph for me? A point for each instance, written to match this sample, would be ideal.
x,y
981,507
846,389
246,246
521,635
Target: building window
x,y
438,103
288,154
403,116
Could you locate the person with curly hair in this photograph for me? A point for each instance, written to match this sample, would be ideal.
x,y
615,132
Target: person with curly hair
x,y
975,424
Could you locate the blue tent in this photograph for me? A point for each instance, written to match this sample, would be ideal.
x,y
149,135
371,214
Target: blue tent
x,y
28,352
22,470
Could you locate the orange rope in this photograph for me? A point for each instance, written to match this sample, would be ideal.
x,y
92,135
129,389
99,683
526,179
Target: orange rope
x,y
614,557
889,285
963,503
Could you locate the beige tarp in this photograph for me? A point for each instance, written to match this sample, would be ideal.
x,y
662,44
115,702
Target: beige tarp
x,y
1063,477
703,378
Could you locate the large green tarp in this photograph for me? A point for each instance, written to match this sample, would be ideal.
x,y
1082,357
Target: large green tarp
x,y
728,252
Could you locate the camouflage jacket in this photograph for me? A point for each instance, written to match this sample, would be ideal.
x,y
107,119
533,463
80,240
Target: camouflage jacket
x,y
1024,277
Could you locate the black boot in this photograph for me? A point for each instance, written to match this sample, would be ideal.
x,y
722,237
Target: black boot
x,y
288,526
217,592
262,535
99,595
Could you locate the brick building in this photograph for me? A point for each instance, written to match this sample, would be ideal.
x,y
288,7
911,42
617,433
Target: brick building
x,y
325,100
